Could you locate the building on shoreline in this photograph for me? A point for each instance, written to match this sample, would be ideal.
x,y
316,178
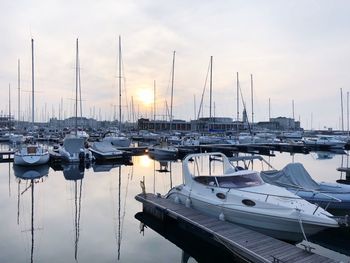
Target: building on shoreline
x,y
218,124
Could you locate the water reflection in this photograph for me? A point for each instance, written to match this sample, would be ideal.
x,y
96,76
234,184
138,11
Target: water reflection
x,y
98,218
121,207
344,170
31,175
324,155
75,174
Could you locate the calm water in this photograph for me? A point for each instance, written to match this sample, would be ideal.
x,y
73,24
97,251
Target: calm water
x,y
88,215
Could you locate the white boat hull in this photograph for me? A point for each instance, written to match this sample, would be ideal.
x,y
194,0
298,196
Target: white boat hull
x,y
276,226
31,159
162,153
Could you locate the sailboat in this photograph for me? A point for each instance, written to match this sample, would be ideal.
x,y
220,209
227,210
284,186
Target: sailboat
x,y
31,154
114,136
73,150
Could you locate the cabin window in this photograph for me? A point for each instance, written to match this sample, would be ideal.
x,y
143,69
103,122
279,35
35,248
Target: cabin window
x,y
31,149
239,181
207,180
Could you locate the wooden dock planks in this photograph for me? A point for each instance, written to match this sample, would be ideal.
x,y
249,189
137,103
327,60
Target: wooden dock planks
x,y
251,245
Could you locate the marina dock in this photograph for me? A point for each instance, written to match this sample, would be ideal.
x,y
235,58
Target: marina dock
x,y
245,245
6,156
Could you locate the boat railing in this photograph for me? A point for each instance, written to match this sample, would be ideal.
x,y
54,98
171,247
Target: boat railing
x,y
332,199
314,192
250,159
268,195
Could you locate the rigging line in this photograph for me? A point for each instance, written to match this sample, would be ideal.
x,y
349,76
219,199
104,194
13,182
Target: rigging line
x,y
202,98
125,89
167,92
81,101
244,107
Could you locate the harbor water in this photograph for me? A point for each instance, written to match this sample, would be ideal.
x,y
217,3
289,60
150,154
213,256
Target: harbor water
x,y
87,214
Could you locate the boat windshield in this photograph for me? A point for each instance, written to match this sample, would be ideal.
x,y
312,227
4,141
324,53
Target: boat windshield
x,y
244,180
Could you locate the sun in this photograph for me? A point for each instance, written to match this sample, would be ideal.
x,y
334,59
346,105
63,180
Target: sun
x,y
145,96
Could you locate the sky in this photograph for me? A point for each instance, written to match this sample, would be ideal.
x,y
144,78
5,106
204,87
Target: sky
x,y
296,50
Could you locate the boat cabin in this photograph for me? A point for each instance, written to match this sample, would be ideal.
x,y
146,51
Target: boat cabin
x,y
240,179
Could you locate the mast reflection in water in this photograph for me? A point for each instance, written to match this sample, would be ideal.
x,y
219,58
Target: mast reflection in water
x,y
75,173
31,175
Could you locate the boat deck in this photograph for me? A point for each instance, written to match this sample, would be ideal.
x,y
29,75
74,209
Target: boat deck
x,y
247,244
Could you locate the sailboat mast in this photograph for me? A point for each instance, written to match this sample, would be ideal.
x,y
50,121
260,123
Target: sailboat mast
x,y
154,101
33,82
172,92
120,82
342,109
269,109
347,112
252,95
237,102
211,86
19,92
9,105
76,86
81,101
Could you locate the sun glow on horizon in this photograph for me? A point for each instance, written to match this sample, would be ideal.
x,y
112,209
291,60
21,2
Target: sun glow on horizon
x,y
145,95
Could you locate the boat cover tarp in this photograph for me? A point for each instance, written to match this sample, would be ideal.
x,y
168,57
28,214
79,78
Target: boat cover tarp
x,y
103,147
73,144
293,174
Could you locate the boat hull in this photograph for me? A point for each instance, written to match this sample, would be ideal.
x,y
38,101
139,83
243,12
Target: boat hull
x,y
106,156
279,227
31,159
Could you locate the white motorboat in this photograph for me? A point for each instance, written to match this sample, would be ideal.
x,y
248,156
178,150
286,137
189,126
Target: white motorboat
x,y
32,154
242,197
325,140
189,141
104,151
16,138
162,150
117,139
292,135
73,150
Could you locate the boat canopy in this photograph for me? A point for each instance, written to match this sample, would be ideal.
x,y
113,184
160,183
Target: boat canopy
x,y
293,174
103,147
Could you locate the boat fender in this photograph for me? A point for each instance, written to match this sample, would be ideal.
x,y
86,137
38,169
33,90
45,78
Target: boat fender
x,y
188,202
222,216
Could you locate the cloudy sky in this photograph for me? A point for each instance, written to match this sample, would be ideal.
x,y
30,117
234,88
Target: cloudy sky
x,y
297,50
